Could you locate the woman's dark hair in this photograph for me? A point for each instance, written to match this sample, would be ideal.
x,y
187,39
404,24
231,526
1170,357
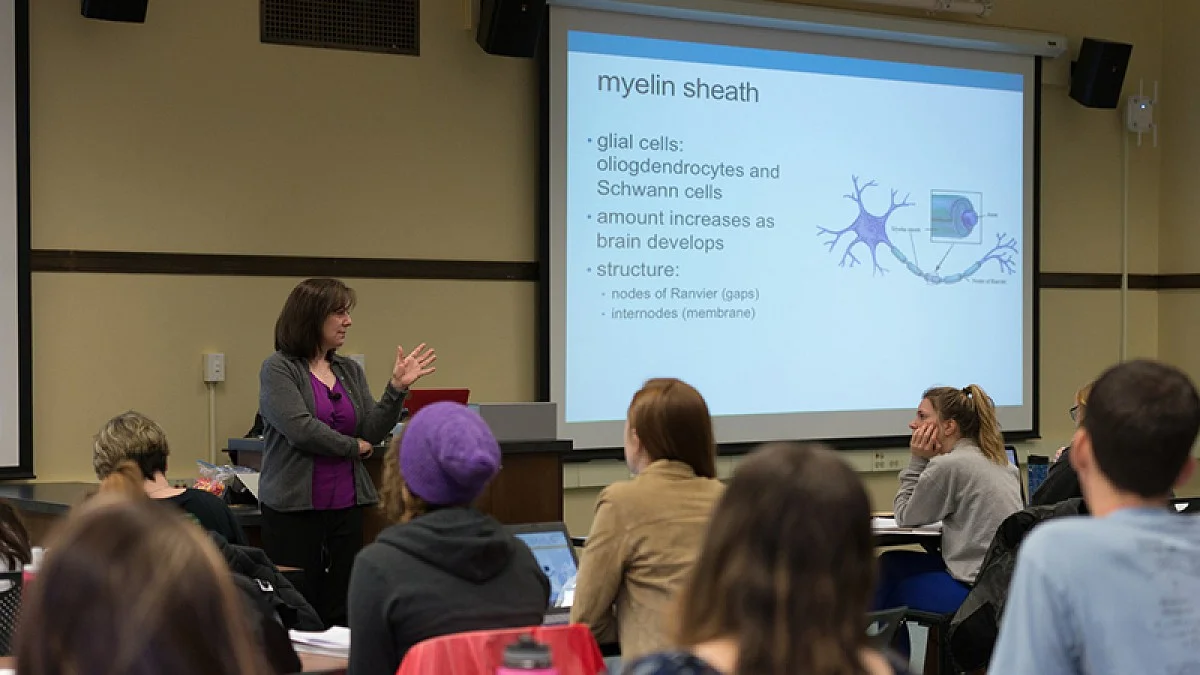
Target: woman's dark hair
x,y
672,422
131,587
14,538
788,566
1142,419
298,330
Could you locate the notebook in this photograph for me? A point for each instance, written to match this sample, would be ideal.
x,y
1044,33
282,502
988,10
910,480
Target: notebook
x,y
332,642
551,546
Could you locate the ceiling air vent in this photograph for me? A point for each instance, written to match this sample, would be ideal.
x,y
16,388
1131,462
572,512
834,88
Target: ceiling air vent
x,y
387,26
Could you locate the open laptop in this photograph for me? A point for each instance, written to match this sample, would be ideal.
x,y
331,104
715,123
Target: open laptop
x,y
551,546
419,398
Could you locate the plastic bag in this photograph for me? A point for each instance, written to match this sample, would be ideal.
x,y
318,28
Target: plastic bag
x,y
213,478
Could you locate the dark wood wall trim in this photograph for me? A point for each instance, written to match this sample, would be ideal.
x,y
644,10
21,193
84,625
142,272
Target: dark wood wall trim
x,y
219,264
1178,281
212,264
1100,280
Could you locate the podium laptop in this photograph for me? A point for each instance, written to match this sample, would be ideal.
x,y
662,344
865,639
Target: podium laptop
x,y
419,398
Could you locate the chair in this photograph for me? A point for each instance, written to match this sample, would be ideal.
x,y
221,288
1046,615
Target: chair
x,y
882,626
10,607
939,623
572,647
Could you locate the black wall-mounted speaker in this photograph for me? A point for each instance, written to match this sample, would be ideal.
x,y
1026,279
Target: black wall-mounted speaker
x,y
510,27
131,11
1099,73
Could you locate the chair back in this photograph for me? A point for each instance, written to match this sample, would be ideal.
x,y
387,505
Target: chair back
x,y
882,626
572,648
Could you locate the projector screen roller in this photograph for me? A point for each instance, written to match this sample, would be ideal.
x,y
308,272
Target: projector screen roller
x,y
812,230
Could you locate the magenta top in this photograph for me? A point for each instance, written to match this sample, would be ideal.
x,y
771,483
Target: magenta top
x,y
333,477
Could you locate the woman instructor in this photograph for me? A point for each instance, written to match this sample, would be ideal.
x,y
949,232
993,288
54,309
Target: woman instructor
x,y
320,421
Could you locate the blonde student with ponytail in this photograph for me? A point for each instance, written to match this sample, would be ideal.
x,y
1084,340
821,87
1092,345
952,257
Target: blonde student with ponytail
x,y
959,475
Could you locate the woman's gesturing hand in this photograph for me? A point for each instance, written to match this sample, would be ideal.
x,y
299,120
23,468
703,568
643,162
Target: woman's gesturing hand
x,y
413,366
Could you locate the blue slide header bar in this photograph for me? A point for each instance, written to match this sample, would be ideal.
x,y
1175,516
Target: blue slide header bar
x,y
749,57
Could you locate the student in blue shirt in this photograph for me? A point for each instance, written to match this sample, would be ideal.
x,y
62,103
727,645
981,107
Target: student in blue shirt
x,y
1115,592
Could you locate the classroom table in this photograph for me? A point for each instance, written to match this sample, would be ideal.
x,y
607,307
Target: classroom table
x,y
887,533
529,489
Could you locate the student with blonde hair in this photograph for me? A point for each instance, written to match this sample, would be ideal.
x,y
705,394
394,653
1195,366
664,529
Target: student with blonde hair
x,y
128,586
130,452
647,532
959,475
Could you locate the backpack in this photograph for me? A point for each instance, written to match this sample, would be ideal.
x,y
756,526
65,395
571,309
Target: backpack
x,y
266,625
293,609
976,624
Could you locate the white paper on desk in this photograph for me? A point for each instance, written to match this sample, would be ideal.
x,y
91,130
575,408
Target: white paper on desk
x,y
332,642
886,524
250,480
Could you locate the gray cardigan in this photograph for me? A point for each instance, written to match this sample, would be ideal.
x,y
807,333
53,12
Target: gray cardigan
x,y
292,435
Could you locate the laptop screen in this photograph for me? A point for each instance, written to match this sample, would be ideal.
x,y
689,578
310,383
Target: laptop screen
x,y
1011,451
557,559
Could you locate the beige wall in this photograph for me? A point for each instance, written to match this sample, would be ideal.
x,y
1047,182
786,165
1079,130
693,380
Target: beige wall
x,y
1179,197
187,135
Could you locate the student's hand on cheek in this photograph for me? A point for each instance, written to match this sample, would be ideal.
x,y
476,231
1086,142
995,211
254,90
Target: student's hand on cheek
x,y
924,442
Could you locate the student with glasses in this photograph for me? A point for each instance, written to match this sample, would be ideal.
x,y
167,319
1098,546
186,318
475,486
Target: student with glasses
x,y
1062,483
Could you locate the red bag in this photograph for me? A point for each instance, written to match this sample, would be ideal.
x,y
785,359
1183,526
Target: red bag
x,y
572,647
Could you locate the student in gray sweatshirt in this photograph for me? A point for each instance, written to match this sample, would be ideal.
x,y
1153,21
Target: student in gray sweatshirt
x,y
958,475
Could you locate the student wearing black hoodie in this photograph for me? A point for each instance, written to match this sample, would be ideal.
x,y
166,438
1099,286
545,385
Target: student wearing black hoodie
x,y
445,568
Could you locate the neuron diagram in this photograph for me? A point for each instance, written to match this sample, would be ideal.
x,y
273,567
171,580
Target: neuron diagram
x,y
954,220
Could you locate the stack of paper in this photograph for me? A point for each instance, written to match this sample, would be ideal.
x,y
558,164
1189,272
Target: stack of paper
x,y
887,524
332,642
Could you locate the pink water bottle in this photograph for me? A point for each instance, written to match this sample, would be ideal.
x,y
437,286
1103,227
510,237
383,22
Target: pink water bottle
x,y
527,657
30,570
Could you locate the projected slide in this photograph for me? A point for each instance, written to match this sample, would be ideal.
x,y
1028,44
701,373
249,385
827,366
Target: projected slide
x,y
790,232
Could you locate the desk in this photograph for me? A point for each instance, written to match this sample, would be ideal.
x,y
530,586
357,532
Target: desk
x,y
888,534
41,505
312,663
529,489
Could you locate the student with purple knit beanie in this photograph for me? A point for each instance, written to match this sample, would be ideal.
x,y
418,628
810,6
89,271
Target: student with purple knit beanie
x,y
444,567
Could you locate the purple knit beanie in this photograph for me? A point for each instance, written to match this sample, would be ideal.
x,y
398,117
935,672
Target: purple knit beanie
x,y
448,454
